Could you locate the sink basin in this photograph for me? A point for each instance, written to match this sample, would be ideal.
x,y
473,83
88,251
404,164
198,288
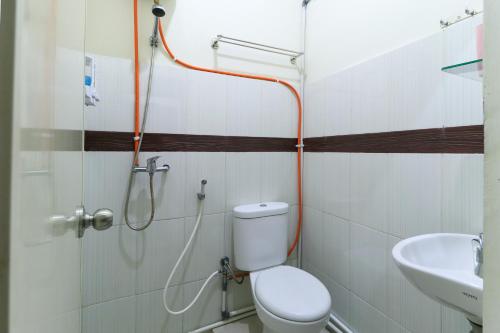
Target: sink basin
x,y
442,267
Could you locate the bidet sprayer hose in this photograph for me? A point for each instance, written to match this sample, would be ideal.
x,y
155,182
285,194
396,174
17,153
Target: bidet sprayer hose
x,y
179,260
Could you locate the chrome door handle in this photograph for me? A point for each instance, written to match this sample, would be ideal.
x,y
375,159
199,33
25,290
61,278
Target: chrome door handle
x,y
102,219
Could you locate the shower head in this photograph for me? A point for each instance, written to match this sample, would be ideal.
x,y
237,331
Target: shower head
x,y
158,10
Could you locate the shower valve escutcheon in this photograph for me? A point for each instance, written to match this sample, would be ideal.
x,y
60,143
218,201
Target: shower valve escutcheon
x,y
151,166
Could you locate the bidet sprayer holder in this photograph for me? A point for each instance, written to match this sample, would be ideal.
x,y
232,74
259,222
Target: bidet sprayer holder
x,y
201,194
151,167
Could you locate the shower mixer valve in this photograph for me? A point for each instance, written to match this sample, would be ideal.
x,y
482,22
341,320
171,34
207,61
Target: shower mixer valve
x,y
151,167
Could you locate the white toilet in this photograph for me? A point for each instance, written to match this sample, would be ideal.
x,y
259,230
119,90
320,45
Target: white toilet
x,y
287,299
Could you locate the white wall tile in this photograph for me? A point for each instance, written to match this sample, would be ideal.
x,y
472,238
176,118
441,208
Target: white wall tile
x,y
393,327
365,318
151,316
278,178
109,261
63,323
158,248
209,166
336,190
206,103
243,172
415,87
368,263
228,236
340,299
279,111
207,249
293,215
415,194
117,316
312,237
337,119
463,102
462,177
454,321
167,113
314,180
369,100
336,249
396,283
369,190
106,177
244,107
314,109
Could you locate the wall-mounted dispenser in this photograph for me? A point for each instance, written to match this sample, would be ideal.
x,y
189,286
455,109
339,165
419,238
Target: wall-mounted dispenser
x,y
91,97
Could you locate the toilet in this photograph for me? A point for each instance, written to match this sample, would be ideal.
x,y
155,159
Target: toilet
x,y
287,299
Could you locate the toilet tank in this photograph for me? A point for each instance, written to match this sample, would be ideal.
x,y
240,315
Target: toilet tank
x,y
260,233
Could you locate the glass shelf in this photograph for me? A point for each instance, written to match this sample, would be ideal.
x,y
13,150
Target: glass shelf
x,y
471,69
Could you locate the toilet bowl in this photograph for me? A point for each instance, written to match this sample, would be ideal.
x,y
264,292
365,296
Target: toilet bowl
x,y
287,299
290,300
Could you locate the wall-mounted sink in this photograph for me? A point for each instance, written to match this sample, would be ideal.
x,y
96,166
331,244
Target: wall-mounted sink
x,y
442,267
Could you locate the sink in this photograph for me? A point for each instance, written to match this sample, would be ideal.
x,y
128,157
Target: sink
x,y
442,267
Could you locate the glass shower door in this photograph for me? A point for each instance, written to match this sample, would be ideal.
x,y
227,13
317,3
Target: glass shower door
x,y
47,159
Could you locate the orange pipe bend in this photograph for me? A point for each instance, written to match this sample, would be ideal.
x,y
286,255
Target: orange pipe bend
x,y
299,125
247,76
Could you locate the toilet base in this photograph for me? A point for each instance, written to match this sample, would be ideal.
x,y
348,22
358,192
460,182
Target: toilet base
x,y
268,330
273,324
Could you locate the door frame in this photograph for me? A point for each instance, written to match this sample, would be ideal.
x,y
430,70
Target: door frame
x,y
491,304
7,36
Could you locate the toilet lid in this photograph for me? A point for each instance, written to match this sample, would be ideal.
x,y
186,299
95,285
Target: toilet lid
x,y
292,294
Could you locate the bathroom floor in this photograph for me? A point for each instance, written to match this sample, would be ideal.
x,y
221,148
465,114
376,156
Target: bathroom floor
x,y
246,325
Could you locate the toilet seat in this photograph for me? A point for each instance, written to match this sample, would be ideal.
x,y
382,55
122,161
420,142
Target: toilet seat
x,y
292,294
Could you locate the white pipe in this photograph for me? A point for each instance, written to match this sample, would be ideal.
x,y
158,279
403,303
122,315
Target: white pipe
x,y
228,321
302,92
332,328
337,325
240,311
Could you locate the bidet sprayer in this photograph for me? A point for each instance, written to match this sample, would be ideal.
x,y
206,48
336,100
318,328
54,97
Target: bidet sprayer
x,y
201,194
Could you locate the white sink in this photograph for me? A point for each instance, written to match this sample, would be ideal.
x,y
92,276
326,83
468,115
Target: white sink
x,y
442,267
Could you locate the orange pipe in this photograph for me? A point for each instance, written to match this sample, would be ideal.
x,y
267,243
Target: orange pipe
x,y
247,76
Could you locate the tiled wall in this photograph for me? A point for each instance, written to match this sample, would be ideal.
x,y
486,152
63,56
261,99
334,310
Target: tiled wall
x,y
124,271
358,206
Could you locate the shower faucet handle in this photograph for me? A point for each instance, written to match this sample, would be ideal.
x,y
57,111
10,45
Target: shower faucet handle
x,y
151,167
151,164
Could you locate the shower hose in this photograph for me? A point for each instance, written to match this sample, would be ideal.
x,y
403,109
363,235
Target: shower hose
x,y
135,160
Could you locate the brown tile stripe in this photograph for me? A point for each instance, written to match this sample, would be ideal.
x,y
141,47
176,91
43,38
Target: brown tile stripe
x,y
451,140
122,141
